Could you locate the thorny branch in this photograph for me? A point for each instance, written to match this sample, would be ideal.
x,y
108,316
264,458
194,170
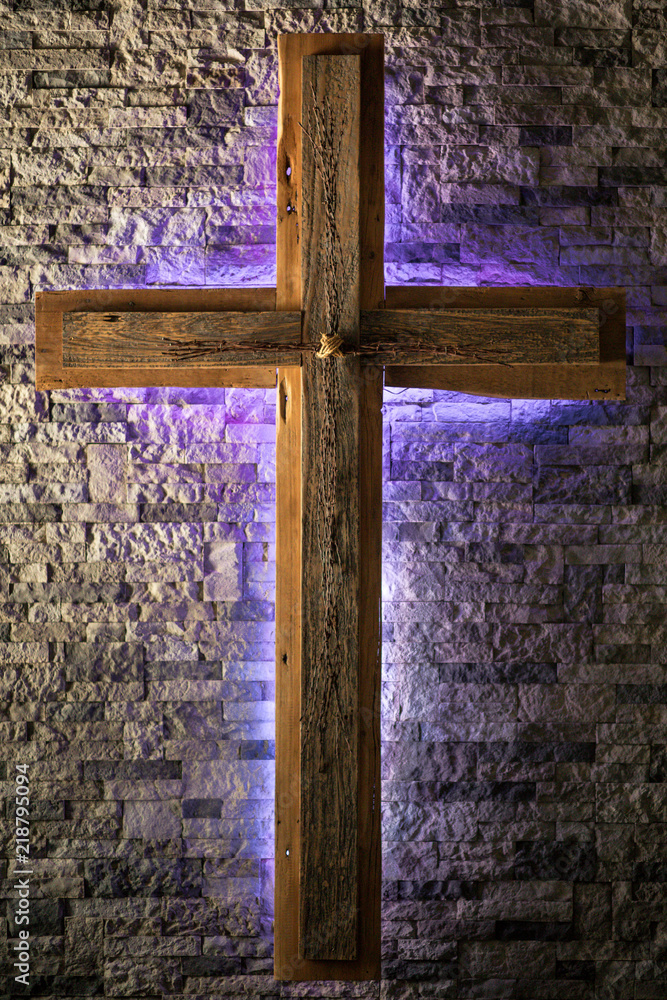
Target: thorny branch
x,y
190,350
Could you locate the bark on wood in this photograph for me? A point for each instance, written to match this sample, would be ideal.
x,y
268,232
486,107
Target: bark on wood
x,y
460,336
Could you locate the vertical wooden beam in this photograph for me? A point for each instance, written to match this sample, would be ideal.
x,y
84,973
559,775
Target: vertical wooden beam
x,y
370,670
330,490
288,673
291,49
288,963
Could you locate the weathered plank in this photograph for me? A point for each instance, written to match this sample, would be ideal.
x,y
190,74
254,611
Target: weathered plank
x,y
288,963
370,669
288,672
136,339
330,464
50,307
181,300
460,336
548,381
330,197
291,49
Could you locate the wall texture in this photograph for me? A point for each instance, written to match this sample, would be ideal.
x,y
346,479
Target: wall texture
x,y
525,689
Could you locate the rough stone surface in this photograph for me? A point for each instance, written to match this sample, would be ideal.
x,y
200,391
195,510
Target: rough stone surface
x,y
524,691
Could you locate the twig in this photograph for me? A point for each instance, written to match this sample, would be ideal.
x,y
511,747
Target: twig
x,y
190,350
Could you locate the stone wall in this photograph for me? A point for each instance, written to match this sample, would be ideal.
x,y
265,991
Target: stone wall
x,y
525,691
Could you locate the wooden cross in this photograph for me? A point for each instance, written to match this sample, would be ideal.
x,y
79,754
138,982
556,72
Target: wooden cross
x,y
518,342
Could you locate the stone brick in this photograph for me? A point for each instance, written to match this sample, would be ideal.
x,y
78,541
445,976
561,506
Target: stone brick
x,y
152,820
582,595
417,822
629,803
131,978
659,88
590,14
13,284
107,470
481,244
568,702
155,227
648,48
658,246
594,485
612,88
487,959
215,107
83,945
471,163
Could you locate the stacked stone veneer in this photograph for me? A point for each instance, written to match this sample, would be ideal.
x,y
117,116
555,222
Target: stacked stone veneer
x,y
525,685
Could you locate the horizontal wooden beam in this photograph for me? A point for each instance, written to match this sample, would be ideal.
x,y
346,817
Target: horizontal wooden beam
x,y
190,299
52,308
604,381
202,339
462,336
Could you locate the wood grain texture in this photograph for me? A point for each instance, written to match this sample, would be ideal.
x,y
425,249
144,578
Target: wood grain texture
x,y
291,49
330,115
551,381
137,339
504,336
244,299
330,489
330,659
370,669
51,306
288,963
